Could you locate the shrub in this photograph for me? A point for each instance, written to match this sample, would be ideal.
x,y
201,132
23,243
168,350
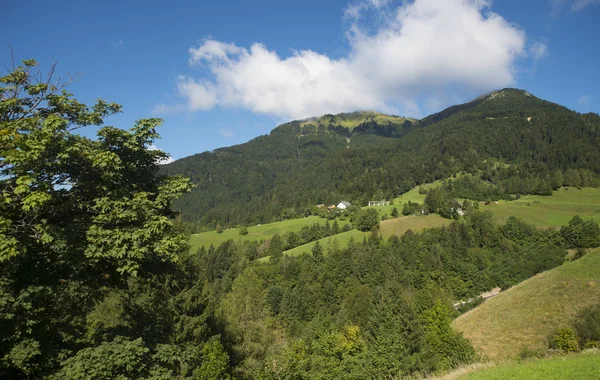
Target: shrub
x,y
528,353
219,229
564,339
579,254
587,325
244,230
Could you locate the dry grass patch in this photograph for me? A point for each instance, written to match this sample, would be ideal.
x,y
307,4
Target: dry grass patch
x,y
526,314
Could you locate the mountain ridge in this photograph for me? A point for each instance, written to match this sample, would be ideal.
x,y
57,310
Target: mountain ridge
x,y
302,163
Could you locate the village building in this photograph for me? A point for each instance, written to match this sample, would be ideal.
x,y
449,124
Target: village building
x,y
343,205
379,203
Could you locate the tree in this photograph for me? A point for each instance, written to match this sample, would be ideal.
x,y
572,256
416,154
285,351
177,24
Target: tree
x,y
276,248
219,229
317,251
394,212
406,209
78,217
243,230
367,219
335,229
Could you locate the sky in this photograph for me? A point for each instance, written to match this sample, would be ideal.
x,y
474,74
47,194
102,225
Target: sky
x,y
223,72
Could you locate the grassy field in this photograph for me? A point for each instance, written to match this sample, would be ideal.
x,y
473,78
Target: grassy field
x,y
526,314
402,224
584,366
555,210
255,233
411,195
342,240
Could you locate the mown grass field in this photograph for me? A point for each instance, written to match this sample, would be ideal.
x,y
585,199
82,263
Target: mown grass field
x,y
255,233
584,366
553,211
526,314
399,226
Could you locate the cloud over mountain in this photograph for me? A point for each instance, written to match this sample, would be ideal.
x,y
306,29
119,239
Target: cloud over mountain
x,y
418,51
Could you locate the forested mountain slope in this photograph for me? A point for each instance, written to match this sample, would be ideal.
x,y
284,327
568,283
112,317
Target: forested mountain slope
x,y
541,146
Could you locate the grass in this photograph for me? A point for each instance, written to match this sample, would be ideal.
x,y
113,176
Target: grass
x,y
553,211
526,314
582,366
255,233
402,224
411,195
341,239
352,120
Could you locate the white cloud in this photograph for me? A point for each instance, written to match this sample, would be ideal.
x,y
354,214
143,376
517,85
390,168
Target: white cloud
x,y
225,133
580,4
167,109
572,5
422,50
584,100
538,50
164,161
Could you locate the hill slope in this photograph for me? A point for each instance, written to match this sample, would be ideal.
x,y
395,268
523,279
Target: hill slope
x,y
526,314
307,162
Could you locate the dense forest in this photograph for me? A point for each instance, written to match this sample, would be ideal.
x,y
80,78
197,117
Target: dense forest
x,y
509,143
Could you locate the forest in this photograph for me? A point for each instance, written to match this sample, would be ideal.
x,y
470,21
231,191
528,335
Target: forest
x,y
504,146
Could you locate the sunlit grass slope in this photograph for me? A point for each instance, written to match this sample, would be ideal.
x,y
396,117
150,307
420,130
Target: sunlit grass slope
x,y
255,233
555,210
526,314
584,366
353,119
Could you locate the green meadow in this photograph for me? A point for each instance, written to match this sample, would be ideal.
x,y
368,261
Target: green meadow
x,y
255,233
341,240
584,366
553,211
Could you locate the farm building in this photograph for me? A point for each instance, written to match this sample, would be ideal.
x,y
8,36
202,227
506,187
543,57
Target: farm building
x,y
379,203
343,205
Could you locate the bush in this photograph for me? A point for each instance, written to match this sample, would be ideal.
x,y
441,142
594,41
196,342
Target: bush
x,y
219,229
579,254
587,325
564,339
528,353
244,230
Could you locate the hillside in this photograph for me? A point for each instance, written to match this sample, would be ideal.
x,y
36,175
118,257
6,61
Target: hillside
x,y
526,314
356,119
583,366
510,139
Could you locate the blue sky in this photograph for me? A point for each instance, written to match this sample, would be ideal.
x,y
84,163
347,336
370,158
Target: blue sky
x,y
221,73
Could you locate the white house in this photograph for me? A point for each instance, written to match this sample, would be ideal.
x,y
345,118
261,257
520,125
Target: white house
x,y
343,205
379,203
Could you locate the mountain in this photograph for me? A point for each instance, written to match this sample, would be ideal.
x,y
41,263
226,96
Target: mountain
x,y
509,139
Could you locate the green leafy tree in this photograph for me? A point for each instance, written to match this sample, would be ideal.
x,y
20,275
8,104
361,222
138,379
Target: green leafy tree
x,y
394,212
243,230
77,216
406,209
317,251
367,219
